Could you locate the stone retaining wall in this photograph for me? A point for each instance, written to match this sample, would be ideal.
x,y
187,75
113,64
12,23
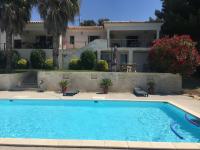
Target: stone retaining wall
x,y
11,81
165,83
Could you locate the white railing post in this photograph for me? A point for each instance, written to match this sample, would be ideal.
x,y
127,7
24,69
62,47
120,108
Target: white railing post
x,y
157,34
108,38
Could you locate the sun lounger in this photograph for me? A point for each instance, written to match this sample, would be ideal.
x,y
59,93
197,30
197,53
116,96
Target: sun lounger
x,y
140,92
71,93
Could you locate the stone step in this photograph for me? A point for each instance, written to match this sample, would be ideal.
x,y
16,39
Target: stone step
x,y
29,86
24,89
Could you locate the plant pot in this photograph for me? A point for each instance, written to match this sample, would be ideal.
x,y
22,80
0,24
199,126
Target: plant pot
x,y
105,90
151,91
64,89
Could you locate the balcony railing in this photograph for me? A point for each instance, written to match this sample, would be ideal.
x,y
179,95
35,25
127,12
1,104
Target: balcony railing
x,y
129,43
28,45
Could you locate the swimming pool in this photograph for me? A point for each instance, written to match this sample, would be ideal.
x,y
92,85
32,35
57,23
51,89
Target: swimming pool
x,y
96,120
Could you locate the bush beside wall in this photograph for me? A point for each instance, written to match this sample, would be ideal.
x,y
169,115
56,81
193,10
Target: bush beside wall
x,y
75,64
22,64
88,60
102,65
37,59
48,64
2,60
15,57
174,55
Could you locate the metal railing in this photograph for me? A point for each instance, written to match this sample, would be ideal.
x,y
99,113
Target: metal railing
x,y
29,45
129,43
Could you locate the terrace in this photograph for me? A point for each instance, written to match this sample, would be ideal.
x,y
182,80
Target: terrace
x,y
131,39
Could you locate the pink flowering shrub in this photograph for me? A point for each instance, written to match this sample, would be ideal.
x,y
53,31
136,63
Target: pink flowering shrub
x,y
175,55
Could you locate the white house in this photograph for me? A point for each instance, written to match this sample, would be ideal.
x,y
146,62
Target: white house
x,y
132,40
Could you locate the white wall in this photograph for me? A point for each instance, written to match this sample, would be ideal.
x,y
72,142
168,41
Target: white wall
x,y
25,53
81,36
140,26
2,39
69,54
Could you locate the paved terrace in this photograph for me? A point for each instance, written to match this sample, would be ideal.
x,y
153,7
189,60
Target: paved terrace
x,y
189,104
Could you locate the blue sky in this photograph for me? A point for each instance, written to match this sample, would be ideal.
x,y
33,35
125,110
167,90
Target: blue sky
x,y
116,10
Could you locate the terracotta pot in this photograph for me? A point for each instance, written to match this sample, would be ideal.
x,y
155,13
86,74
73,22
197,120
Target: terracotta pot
x,y
105,90
151,91
64,89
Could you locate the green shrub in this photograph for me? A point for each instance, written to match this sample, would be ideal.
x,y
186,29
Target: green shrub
x,y
48,64
15,57
22,63
75,64
2,60
102,65
88,60
106,82
37,59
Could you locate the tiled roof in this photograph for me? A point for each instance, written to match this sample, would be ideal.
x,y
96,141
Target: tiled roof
x,y
85,27
115,22
36,22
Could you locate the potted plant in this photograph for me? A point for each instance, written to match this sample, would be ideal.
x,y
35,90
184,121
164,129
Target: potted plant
x,y
63,85
151,87
105,84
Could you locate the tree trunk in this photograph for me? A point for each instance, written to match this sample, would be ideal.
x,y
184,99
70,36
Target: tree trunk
x,y
55,50
8,50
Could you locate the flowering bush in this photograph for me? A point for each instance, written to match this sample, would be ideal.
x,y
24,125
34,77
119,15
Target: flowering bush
x,y
102,65
75,64
48,64
22,63
175,55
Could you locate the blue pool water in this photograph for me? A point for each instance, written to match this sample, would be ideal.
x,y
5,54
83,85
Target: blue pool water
x,y
90,120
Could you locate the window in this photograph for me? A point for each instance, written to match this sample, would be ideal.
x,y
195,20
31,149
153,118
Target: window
x,y
92,38
132,41
17,43
44,42
123,58
106,56
72,40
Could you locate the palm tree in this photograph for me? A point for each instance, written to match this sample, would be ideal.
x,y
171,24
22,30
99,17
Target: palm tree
x,y
13,17
56,15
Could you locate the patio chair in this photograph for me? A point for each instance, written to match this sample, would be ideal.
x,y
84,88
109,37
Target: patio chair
x,y
140,92
71,93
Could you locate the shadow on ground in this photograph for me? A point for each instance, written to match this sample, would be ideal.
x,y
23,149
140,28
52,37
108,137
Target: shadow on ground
x,y
191,85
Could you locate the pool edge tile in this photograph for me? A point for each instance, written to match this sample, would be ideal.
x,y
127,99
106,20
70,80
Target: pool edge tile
x,y
188,110
97,144
93,143
116,144
186,146
162,145
142,145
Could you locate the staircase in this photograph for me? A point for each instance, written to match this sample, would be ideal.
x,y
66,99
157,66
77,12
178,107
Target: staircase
x,y
29,82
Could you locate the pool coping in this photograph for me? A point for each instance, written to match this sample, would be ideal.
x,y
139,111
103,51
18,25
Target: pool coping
x,y
104,143
96,144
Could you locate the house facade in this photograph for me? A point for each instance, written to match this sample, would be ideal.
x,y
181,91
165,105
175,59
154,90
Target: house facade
x,y
131,39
